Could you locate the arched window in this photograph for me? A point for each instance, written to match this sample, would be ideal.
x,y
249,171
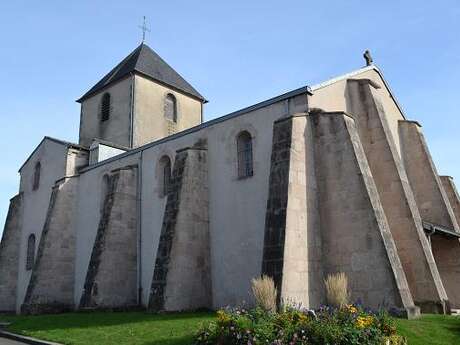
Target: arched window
x,y
165,174
30,252
36,178
171,108
105,107
244,148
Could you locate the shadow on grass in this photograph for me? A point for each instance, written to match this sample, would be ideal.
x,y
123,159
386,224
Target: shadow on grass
x,y
97,319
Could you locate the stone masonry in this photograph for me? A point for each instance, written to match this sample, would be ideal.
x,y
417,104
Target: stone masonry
x,y
434,206
182,273
51,286
358,243
396,196
292,245
111,279
9,255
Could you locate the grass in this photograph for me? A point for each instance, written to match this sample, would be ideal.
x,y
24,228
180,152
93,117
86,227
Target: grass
x,y
120,328
138,328
431,329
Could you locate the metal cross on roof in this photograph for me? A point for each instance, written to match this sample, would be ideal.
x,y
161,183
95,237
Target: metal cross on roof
x,y
144,29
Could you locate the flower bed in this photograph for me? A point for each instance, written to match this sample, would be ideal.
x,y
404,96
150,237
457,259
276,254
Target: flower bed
x,y
293,326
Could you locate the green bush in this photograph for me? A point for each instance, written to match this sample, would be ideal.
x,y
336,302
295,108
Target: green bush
x,y
348,325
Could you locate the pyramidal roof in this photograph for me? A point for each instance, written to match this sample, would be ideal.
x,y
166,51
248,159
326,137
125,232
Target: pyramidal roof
x,y
145,61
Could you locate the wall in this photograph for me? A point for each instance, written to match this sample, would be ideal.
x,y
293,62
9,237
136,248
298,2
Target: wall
x,y
51,284
334,97
111,277
149,121
89,210
236,222
117,128
355,232
53,158
9,255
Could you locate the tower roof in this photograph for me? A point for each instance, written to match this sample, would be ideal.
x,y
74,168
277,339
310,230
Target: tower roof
x,y
144,60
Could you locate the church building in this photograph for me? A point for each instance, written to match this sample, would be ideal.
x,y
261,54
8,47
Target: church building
x,y
154,208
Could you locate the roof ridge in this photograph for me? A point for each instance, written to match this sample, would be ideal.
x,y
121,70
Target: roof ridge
x,y
146,61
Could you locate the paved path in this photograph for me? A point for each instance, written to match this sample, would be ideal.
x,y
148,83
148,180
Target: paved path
x,y
4,341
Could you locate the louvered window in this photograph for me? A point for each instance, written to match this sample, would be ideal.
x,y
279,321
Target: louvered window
x,y
105,107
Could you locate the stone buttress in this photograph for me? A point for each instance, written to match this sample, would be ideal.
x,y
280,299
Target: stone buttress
x,y
182,274
434,205
9,254
396,196
111,278
51,286
324,216
292,241
356,235
452,194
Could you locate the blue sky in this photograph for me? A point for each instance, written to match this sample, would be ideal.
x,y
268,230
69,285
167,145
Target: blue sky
x,y
235,53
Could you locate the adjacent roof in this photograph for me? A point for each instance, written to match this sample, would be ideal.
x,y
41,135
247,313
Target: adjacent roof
x,y
57,141
145,61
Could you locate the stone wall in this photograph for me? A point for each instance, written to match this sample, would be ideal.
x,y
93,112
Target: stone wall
x,y
182,272
452,195
292,244
9,255
51,286
434,206
111,279
396,196
355,232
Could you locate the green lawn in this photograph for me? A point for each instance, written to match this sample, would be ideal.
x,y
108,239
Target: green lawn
x,y
120,328
138,328
431,330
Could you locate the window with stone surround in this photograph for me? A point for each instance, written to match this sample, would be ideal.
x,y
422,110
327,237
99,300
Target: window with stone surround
x,y
30,260
36,177
244,151
170,108
165,174
105,106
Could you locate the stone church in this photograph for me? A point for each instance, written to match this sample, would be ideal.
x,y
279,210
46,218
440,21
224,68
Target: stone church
x,y
156,209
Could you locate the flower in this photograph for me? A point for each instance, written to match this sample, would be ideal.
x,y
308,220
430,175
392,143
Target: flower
x,y
351,309
364,321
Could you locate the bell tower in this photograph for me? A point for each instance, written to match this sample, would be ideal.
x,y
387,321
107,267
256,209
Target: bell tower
x,y
141,100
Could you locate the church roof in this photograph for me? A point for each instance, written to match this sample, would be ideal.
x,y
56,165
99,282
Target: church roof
x,y
145,61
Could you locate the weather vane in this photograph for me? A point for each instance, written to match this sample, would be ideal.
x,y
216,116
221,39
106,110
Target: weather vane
x,y
144,29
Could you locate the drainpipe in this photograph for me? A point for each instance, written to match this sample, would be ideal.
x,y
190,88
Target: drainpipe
x,y
139,229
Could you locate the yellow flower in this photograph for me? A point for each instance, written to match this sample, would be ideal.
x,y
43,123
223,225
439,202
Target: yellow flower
x,y
364,321
222,316
351,308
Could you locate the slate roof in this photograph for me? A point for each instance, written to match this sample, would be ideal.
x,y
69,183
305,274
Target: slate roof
x,y
145,61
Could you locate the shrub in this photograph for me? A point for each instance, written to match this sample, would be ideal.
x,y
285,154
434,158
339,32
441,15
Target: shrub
x,y
348,325
337,289
265,293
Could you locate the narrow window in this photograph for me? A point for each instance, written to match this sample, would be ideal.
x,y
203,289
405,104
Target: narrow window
x,y
244,147
170,108
30,252
165,171
104,192
105,107
36,179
